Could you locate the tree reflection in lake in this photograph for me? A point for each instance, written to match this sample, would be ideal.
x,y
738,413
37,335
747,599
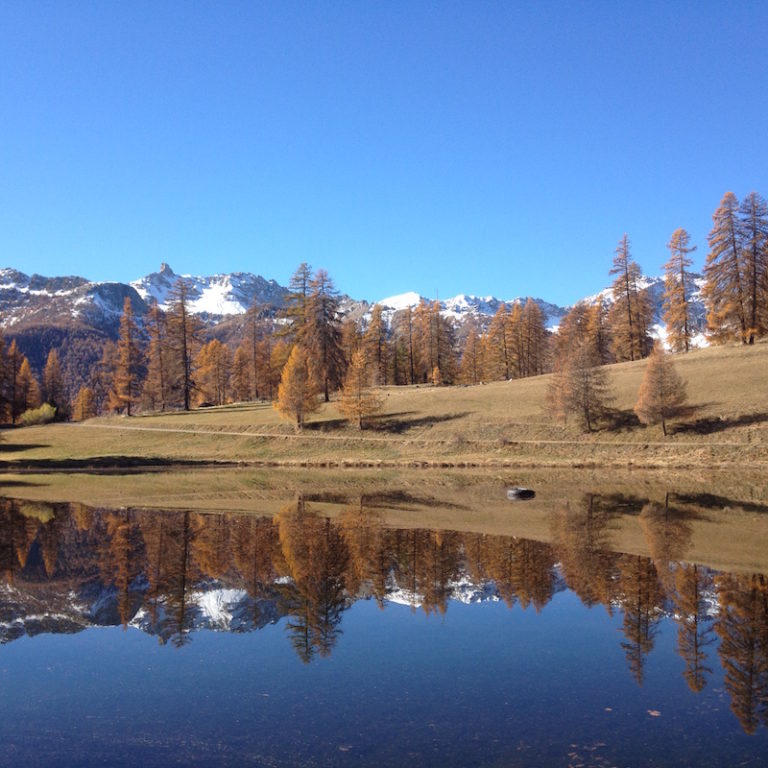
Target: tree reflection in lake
x,y
67,567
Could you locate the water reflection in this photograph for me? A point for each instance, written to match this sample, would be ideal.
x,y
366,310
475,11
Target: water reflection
x,y
67,567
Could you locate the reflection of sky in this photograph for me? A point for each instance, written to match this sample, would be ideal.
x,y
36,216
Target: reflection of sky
x,y
477,685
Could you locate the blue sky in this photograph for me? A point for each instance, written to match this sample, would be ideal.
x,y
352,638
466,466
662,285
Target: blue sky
x,y
482,147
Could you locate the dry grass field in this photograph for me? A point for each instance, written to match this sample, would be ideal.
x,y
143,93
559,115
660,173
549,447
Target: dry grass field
x,y
501,424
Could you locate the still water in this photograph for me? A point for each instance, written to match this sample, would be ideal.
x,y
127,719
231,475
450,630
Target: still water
x,y
177,638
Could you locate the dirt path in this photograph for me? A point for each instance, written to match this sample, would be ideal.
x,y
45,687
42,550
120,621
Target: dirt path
x,y
426,440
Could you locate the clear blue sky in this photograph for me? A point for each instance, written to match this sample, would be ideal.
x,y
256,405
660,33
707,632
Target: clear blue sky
x,y
482,147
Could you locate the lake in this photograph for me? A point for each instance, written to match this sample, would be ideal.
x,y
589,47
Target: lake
x,y
319,635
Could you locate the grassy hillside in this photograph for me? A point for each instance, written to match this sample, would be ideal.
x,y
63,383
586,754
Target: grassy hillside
x,y
498,424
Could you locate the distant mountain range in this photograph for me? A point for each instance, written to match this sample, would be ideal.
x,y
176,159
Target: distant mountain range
x,y
48,312
36,300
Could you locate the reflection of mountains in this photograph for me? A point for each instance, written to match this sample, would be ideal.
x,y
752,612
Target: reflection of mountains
x,y
67,567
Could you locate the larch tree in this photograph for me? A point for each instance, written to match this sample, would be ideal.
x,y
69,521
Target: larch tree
x,y
630,315
27,388
14,362
754,226
213,364
403,330
184,331
471,366
376,345
499,363
241,375
533,340
53,385
156,391
84,406
677,292
129,363
322,338
579,385
359,401
295,396
662,395
296,311
724,289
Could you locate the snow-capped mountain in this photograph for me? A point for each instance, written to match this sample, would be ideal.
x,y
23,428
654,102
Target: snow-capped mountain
x,y
213,297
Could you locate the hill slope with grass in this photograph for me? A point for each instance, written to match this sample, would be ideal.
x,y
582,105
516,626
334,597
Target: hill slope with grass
x,y
497,424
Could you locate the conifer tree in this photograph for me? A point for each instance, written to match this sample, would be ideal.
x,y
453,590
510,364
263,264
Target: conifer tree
x,y
630,314
376,345
15,361
84,406
579,385
471,367
403,330
296,311
322,335
214,366
27,388
677,291
126,375
533,340
241,375
662,392
184,331
156,391
358,400
499,362
53,385
724,289
754,226
295,396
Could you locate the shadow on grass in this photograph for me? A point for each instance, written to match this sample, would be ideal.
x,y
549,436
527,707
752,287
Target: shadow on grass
x,y
719,424
398,423
18,447
105,465
384,499
720,503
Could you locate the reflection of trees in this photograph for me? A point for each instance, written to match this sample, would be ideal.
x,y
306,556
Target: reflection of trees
x,y
668,535
581,534
308,567
169,572
643,602
694,633
317,558
743,629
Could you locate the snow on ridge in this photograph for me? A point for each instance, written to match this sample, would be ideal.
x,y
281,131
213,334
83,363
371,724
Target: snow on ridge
x,y
401,301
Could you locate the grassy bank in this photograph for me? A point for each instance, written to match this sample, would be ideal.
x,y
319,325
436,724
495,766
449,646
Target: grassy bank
x,y
501,424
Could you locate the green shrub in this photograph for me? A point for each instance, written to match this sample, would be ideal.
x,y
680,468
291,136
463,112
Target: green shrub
x,y
45,414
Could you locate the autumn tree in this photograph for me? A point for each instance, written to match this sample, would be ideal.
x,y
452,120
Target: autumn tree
x,y
662,394
127,373
630,315
27,388
213,364
677,291
376,345
579,385
241,375
403,331
471,366
532,340
14,361
296,310
499,361
184,331
156,390
84,406
724,289
295,396
53,385
358,400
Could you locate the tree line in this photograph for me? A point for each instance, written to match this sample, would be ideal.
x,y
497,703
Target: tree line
x,y
309,350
